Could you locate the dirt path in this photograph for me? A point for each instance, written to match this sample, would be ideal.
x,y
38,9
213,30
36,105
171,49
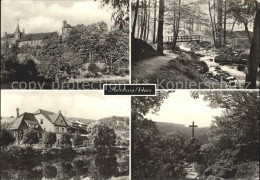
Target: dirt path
x,y
150,66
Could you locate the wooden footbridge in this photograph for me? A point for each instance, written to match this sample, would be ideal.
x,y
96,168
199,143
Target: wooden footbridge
x,y
184,38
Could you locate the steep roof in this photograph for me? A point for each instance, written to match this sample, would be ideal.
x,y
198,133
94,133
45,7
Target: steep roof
x,y
53,117
8,119
17,30
6,36
44,113
32,37
29,117
17,123
66,25
23,58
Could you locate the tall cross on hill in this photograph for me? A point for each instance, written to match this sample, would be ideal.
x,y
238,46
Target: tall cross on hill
x,y
193,126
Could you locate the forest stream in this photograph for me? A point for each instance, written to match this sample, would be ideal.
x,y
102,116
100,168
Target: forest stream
x,y
208,58
191,172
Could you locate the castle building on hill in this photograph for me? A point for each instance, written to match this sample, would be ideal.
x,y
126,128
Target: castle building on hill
x,y
66,29
35,38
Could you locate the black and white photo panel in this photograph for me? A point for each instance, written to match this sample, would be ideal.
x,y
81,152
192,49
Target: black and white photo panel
x,y
58,135
64,44
195,44
206,135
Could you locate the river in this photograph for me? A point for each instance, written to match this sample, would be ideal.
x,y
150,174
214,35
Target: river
x,y
238,77
86,167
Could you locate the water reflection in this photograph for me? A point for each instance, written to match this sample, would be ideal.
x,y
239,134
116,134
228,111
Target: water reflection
x,y
98,166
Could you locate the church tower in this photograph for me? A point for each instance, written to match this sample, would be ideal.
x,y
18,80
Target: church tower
x,y
17,33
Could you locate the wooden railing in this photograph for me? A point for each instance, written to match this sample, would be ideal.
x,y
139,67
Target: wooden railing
x,y
184,38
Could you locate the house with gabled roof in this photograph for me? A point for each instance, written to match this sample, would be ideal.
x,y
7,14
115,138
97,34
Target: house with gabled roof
x,y
50,121
23,123
45,121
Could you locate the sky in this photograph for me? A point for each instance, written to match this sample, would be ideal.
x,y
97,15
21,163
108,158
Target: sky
x,y
181,108
37,16
81,104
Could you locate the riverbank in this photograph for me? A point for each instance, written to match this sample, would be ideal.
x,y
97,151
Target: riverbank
x,y
22,152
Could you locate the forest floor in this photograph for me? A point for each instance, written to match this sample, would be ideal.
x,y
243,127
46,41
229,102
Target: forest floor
x,y
150,66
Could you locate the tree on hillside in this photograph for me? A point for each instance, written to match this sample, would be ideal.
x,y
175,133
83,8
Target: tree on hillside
x,y
238,126
144,141
6,138
84,39
113,47
49,139
31,137
145,136
157,154
50,56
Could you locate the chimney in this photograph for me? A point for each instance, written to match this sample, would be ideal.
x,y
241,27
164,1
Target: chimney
x,y
17,112
64,23
59,111
23,31
6,33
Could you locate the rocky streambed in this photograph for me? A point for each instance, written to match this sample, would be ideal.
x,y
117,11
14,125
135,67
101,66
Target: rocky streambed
x,y
226,66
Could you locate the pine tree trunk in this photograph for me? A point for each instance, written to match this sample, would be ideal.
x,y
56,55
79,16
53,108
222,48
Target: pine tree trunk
x,y
247,31
142,21
233,26
160,27
177,25
148,22
219,29
135,18
225,22
154,25
214,17
139,27
212,25
254,56
145,20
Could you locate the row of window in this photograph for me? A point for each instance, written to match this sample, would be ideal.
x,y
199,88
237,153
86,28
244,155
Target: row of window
x,y
39,42
57,129
33,125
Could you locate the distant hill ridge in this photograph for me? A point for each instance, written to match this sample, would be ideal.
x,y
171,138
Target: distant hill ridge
x,y
118,123
200,132
83,120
